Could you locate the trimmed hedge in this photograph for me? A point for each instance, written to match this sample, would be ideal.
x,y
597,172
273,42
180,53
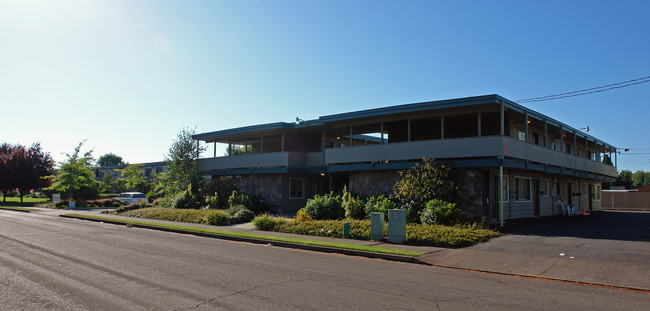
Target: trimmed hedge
x,y
416,234
198,216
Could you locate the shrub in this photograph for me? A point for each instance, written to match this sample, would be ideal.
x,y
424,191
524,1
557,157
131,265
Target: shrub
x,y
37,195
252,201
264,222
183,200
301,215
132,206
424,182
152,196
212,201
354,206
379,204
216,218
182,215
322,207
241,214
438,212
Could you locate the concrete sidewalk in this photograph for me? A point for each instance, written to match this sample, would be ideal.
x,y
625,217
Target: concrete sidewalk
x,y
606,248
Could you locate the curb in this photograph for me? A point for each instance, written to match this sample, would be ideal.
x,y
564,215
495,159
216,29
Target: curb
x,y
315,248
14,210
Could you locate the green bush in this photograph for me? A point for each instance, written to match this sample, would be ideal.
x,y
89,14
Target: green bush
x,y
183,200
216,218
416,234
252,201
353,205
161,213
327,206
439,212
424,182
132,206
212,201
379,204
264,222
241,214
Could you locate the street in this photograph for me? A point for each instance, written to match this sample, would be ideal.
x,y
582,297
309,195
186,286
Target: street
x,y
50,263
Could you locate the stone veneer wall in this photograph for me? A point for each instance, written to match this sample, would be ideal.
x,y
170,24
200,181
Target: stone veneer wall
x,y
471,199
372,182
268,186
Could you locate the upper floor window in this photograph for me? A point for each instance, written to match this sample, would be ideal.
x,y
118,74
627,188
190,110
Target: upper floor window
x,y
521,134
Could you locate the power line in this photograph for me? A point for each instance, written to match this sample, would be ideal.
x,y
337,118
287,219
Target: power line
x,y
592,90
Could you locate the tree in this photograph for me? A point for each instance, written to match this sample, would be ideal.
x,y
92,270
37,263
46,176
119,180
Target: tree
x,y
109,159
132,176
75,178
640,178
624,179
107,183
32,165
424,182
238,150
24,169
181,162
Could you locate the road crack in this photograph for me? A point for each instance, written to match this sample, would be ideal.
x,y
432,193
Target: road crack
x,y
236,293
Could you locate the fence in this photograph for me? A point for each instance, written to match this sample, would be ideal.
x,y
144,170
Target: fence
x,y
625,200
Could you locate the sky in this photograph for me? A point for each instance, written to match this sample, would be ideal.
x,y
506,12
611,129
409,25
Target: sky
x,y
127,76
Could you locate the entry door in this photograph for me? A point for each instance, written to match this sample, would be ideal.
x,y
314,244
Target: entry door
x,y
536,197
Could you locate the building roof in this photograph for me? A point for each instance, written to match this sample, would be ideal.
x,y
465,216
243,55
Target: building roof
x,y
391,110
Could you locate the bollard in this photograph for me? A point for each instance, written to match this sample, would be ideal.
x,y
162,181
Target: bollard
x,y
377,226
396,226
346,230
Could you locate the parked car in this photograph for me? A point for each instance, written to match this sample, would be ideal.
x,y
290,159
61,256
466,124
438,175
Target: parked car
x,y
133,197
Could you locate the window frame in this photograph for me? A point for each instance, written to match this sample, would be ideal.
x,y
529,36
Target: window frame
x,y
547,188
530,195
302,191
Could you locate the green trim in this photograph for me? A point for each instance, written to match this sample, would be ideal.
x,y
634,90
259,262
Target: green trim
x,y
365,248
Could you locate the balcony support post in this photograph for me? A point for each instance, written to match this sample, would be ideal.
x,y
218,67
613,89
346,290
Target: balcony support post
x,y
408,125
545,133
526,124
282,143
442,127
502,119
479,124
575,143
215,149
351,136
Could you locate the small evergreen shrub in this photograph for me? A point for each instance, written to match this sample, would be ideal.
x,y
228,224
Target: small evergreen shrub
x,y
252,201
301,215
216,218
264,222
379,204
242,216
212,201
439,212
353,205
132,206
322,207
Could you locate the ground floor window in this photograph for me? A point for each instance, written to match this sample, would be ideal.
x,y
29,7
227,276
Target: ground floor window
x,y
546,187
522,189
296,188
597,192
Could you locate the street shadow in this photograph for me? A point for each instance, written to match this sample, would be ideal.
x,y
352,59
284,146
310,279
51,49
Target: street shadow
x,y
610,225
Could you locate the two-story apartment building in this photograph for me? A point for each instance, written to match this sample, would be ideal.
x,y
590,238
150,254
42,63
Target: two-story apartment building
x,y
495,144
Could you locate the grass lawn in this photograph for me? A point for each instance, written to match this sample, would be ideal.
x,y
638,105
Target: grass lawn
x,y
15,201
366,248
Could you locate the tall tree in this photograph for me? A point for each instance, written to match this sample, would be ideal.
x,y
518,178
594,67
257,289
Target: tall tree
x,y
132,176
33,165
181,161
75,179
109,159
624,179
24,169
640,178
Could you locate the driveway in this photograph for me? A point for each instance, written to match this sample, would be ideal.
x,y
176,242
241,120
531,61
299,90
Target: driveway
x,y
607,248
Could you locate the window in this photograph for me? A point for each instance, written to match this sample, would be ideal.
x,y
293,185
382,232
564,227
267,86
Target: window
x,y
535,138
522,189
546,188
505,188
296,188
521,134
597,193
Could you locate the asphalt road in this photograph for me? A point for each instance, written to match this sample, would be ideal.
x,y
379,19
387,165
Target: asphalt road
x,y
65,264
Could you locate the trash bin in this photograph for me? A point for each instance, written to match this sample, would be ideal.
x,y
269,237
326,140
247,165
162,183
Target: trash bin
x,y
396,226
376,226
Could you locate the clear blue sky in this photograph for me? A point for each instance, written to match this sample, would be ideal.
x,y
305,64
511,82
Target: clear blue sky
x,y
128,75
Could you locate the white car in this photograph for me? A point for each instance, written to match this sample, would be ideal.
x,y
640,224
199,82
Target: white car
x,y
133,197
